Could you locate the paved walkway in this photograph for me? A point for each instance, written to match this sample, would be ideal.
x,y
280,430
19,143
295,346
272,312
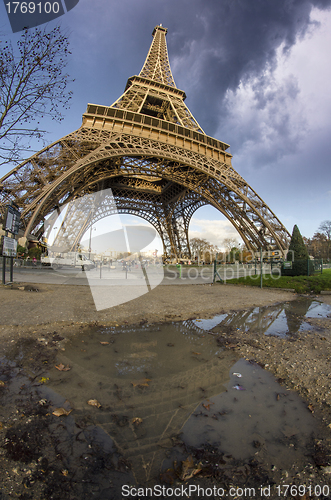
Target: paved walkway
x,y
168,275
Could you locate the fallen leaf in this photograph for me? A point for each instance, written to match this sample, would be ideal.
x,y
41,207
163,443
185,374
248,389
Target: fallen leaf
x,y
2,384
136,421
64,472
94,402
188,469
43,380
104,343
143,382
63,368
207,405
196,353
58,412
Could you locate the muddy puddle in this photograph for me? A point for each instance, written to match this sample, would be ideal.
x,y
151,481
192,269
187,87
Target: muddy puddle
x,y
84,414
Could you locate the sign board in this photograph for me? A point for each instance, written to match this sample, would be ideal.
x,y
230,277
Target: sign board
x,y
287,265
9,247
12,220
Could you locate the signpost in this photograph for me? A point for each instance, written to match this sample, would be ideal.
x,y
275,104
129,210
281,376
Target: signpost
x,y
261,270
9,245
12,220
287,265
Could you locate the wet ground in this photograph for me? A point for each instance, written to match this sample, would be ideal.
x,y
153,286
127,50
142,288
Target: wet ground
x,y
87,412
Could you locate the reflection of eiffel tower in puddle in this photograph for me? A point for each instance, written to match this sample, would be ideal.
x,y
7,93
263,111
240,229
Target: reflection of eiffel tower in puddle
x,y
164,406
277,319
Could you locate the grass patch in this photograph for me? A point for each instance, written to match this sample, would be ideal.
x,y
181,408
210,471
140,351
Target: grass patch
x,y
301,284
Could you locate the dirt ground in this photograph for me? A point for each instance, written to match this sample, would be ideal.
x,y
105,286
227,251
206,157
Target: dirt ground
x,y
301,363
26,304
32,309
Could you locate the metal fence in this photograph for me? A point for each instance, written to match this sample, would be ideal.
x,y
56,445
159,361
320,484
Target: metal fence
x,y
21,263
302,267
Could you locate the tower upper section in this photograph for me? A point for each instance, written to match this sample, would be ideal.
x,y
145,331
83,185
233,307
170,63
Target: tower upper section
x,y
153,92
156,66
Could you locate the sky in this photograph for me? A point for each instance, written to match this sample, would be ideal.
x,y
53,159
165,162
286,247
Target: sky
x,y
256,74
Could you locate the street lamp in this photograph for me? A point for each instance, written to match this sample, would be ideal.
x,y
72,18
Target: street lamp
x,y
54,229
90,243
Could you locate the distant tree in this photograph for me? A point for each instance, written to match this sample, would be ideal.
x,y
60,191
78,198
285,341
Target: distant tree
x,y
317,245
297,249
199,246
232,251
32,85
211,251
325,228
230,243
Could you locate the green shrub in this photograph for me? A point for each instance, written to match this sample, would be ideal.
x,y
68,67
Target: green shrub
x,y
34,252
298,255
297,249
22,251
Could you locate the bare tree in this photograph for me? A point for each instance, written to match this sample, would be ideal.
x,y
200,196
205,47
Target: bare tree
x,y
198,246
32,85
325,228
230,243
231,247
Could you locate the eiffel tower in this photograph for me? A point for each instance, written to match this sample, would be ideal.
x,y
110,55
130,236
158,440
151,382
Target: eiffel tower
x,y
157,161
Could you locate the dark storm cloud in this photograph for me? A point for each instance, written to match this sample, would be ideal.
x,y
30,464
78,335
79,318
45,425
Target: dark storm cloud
x,y
216,44
228,42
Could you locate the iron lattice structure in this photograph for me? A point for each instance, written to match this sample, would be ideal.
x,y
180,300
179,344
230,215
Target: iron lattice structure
x,y
159,163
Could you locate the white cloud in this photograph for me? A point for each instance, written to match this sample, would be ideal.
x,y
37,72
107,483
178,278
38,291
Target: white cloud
x,y
214,231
